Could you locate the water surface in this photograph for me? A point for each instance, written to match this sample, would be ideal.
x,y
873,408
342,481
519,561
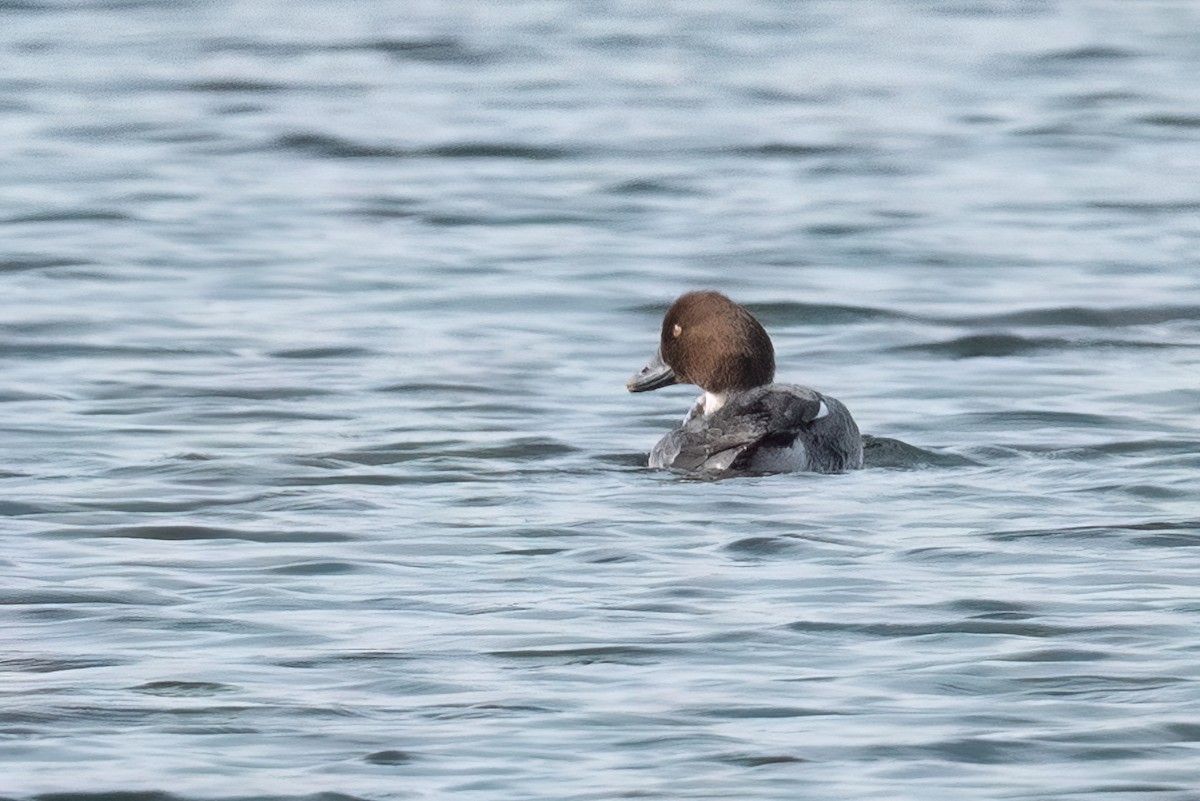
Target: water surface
x,y
321,480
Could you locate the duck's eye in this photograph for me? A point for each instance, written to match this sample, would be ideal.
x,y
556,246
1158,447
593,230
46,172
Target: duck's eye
x,y
677,330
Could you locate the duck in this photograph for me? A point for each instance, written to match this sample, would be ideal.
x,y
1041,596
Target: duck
x,y
743,422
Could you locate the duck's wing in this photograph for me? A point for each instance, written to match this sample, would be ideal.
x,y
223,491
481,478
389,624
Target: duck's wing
x,y
701,450
814,429
781,407
763,416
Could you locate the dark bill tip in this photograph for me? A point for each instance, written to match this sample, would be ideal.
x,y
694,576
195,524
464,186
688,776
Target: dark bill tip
x,y
655,375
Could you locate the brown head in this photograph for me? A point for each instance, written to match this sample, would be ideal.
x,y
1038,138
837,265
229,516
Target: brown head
x,y
712,342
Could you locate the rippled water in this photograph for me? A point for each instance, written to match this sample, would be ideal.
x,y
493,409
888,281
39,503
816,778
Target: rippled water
x,y
321,478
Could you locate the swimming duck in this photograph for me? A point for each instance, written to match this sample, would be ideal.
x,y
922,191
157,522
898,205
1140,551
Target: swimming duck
x,y
743,422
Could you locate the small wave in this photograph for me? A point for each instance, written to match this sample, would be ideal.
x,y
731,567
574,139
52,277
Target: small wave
x,y
122,391
753,712
980,345
988,606
606,556
761,546
1083,316
773,94
235,85
495,150
885,452
438,388
20,265
521,449
619,654
265,414
376,455
382,479
969,626
183,689
498,220
159,795
106,132
23,508
650,186
61,597
315,569
834,230
328,146
1145,447
968,750
436,50
530,552
33,664
795,313
974,346
1149,492
385,209
71,215
1093,100
636,461
121,5
466,711
339,661
183,533
333,147
79,350
1171,120
1021,418
1056,655
1149,207
863,165
331,352
792,150
1086,54
389,758
1157,527
756,760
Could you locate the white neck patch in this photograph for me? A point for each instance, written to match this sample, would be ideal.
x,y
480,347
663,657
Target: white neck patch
x,y
714,401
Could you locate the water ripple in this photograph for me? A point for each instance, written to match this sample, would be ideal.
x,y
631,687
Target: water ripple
x,y
194,532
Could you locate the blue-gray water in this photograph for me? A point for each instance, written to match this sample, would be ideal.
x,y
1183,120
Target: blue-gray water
x,y
320,476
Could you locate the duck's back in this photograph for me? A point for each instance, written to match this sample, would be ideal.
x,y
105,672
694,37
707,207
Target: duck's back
x,y
768,429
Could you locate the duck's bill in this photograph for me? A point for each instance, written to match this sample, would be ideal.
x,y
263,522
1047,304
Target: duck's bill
x,y
655,375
